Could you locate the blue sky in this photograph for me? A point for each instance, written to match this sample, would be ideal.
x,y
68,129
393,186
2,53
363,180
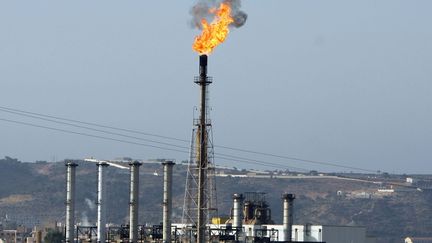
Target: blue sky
x,y
339,81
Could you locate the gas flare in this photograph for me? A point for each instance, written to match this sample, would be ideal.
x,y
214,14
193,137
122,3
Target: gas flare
x,y
216,32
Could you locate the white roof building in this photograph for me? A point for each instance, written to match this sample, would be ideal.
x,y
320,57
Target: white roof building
x,y
418,240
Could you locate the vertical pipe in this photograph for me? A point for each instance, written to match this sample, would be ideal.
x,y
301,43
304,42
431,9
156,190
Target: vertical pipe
x,y
167,201
288,207
237,209
38,236
101,207
70,201
202,166
134,201
248,211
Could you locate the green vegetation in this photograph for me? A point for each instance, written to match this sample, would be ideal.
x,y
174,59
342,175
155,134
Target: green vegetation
x,y
54,236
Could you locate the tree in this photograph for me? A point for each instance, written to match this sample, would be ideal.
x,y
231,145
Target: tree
x,y
54,236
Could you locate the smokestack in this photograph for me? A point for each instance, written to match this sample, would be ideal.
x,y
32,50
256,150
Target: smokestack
x,y
288,207
101,208
237,209
167,201
70,201
134,200
203,65
203,81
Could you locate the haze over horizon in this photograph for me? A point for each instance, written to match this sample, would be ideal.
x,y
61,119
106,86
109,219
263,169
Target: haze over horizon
x,y
346,82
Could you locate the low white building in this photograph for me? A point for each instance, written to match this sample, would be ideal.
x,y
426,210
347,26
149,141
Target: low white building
x,y
313,233
418,240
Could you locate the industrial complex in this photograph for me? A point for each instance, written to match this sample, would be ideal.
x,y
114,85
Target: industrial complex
x,y
250,218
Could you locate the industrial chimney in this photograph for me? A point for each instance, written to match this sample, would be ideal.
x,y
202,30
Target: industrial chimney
x,y
288,207
70,200
167,201
134,200
237,210
101,208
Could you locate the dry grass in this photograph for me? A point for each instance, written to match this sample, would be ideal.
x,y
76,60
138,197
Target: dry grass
x,y
15,199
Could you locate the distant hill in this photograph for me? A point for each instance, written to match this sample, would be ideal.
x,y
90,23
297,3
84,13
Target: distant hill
x,y
34,193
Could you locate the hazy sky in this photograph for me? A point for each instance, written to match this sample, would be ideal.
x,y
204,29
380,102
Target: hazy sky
x,y
346,82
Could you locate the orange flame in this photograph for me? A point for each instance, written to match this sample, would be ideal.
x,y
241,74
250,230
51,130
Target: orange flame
x,y
215,33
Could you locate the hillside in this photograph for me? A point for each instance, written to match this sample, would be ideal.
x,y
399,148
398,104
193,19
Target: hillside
x,y
34,193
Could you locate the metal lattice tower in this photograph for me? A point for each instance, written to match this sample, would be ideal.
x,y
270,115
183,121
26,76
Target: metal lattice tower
x,y
200,202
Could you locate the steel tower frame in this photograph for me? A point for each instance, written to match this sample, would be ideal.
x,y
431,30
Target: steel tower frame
x,y
200,201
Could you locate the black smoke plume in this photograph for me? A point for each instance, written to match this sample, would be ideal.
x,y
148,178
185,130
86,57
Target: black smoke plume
x,y
201,10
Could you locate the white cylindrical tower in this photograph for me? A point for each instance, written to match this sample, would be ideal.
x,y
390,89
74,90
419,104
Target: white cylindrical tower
x,y
101,203
288,207
237,210
134,201
70,201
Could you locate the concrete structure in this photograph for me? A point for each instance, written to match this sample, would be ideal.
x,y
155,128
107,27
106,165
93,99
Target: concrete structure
x,y
101,208
9,236
17,235
36,236
167,201
288,211
387,191
134,201
70,201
